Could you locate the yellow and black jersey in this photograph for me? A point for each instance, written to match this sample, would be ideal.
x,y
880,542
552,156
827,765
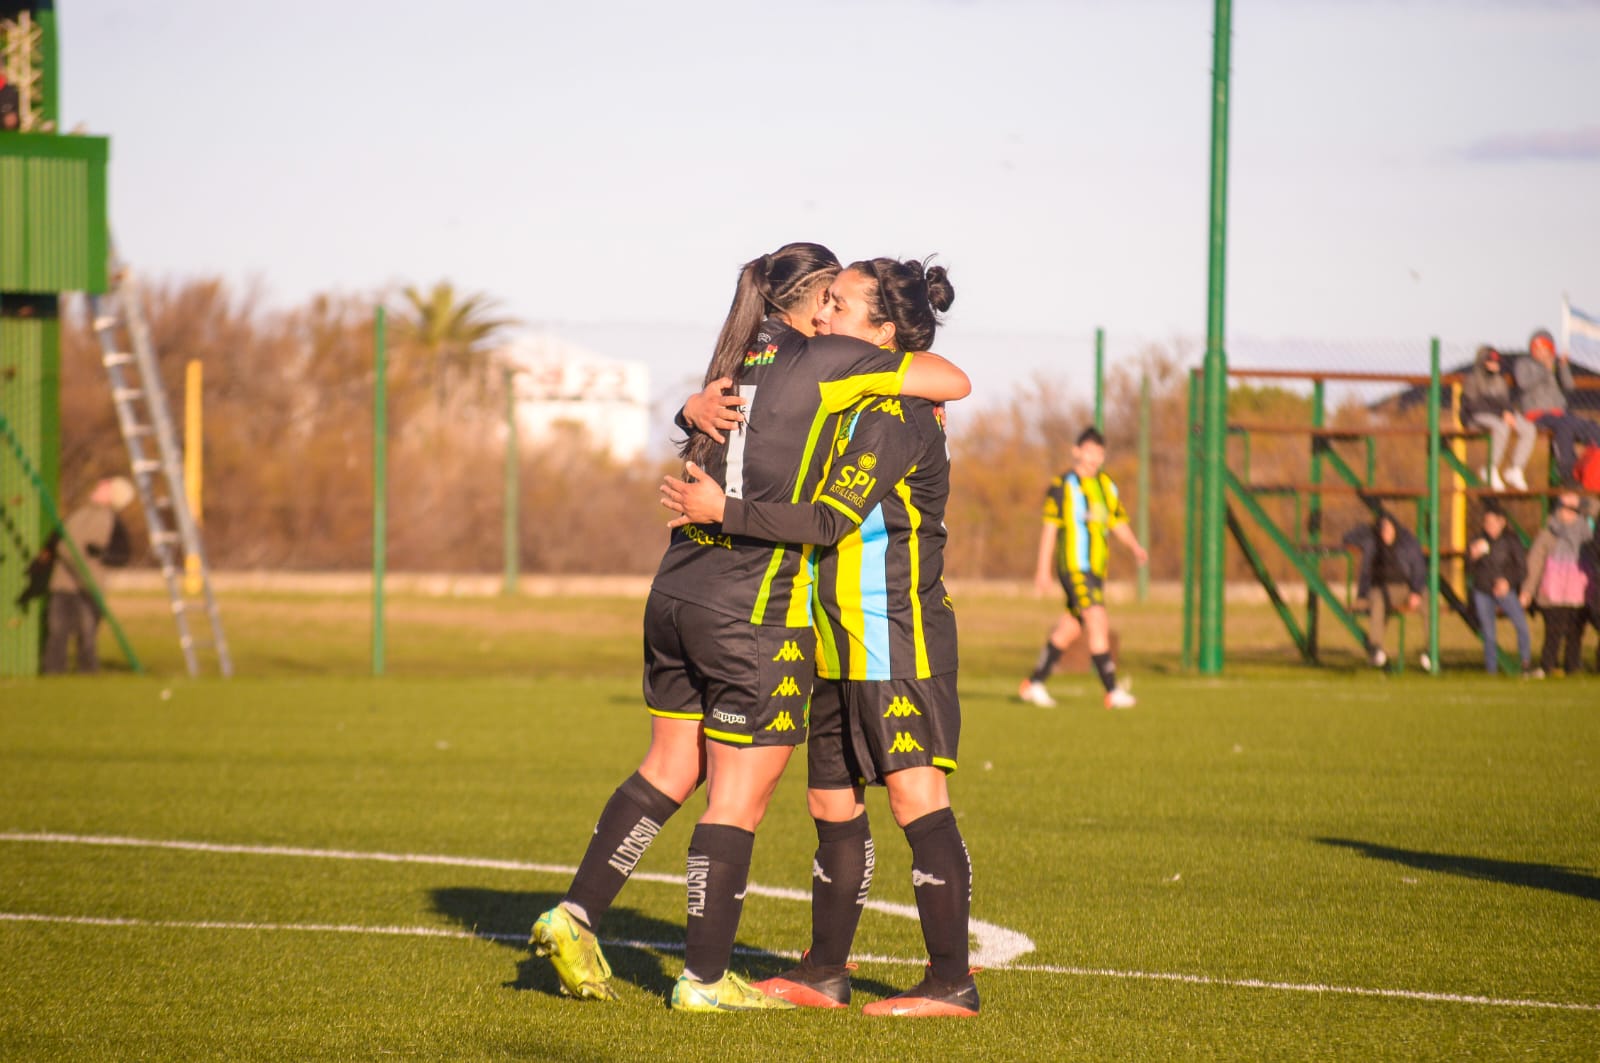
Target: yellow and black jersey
x,y
794,389
1084,511
880,589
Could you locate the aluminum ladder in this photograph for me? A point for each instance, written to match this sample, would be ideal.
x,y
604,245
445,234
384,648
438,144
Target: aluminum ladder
x,y
146,423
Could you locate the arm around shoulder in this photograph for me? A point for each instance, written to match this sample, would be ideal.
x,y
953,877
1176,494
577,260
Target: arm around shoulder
x,y
933,377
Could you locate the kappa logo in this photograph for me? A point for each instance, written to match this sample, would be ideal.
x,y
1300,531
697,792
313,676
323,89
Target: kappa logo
x,y
784,722
790,652
922,878
892,408
787,689
904,743
901,706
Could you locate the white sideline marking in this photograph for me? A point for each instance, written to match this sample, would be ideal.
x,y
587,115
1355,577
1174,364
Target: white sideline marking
x,y
668,946
996,945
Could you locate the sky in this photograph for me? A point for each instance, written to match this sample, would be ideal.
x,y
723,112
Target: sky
x,y
1397,170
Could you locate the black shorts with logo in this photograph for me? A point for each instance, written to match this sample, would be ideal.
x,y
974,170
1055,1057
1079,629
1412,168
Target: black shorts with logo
x,y
864,730
1083,589
748,685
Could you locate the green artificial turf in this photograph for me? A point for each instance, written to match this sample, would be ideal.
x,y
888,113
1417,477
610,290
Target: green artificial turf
x,y
1285,863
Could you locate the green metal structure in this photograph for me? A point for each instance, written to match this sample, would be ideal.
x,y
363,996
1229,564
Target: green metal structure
x,y
53,239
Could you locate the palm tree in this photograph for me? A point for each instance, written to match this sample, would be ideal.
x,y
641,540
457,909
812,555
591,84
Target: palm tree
x,y
451,338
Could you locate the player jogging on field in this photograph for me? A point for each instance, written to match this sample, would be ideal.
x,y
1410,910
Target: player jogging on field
x,y
1080,508
728,639
885,709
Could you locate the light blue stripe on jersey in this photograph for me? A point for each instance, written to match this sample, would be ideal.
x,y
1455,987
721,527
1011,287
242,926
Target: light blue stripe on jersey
x,y
875,594
1079,508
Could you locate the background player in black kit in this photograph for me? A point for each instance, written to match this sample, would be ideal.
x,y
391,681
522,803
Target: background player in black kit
x,y
885,709
728,641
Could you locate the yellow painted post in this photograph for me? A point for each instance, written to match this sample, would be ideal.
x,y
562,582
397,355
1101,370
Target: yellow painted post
x,y
192,443
1458,501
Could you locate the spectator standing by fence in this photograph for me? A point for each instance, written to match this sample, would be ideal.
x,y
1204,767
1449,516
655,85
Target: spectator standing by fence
x,y
1557,582
1499,565
102,540
1486,404
1543,381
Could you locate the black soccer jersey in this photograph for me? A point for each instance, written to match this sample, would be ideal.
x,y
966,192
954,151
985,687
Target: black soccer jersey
x,y
794,389
880,588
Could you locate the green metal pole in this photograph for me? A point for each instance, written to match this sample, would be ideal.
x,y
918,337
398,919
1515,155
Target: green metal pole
x,y
1319,415
513,460
1191,515
1142,518
1433,504
1215,406
1100,380
380,482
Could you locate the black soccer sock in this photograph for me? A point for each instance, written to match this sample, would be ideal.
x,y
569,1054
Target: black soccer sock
x,y
719,868
629,823
941,877
1107,669
841,874
1046,663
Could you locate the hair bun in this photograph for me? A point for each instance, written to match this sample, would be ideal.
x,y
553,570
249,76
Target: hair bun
x,y
941,293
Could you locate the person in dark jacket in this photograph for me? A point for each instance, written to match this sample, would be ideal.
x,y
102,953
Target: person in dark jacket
x,y
1391,564
1498,565
1486,404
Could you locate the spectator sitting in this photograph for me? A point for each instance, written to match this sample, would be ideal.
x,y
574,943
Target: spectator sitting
x,y
1486,403
1557,582
1543,381
1499,565
1391,561
1586,468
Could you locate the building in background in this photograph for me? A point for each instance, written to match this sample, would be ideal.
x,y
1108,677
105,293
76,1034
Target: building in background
x,y
561,387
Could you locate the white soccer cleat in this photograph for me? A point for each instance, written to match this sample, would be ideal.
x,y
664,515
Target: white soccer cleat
x,y
1426,661
1035,694
1120,698
1379,658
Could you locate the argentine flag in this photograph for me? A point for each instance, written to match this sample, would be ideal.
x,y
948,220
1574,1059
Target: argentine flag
x,y
1580,334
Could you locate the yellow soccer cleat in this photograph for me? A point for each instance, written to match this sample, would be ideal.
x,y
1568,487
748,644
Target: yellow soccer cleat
x,y
574,952
728,993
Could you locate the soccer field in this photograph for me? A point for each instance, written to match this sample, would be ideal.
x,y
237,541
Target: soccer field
x,y
303,863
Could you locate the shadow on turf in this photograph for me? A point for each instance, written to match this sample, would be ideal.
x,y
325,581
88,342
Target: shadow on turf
x,y
1572,881
506,918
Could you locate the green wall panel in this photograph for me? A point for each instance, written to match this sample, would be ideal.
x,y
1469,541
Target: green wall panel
x,y
53,232
30,394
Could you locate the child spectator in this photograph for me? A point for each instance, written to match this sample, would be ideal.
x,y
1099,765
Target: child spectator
x,y
1486,403
1557,582
1499,565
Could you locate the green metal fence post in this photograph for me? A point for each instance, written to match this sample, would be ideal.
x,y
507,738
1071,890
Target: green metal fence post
x,y
1434,447
1212,524
1313,527
1100,380
380,482
510,532
1142,519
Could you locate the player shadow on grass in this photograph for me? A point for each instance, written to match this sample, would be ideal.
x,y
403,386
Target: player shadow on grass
x,y
1573,881
633,942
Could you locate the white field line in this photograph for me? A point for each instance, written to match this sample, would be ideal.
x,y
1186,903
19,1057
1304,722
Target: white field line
x,y
996,945
1006,937
677,946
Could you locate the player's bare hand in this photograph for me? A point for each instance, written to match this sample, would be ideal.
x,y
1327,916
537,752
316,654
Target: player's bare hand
x,y
1140,554
713,411
1043,584
698,498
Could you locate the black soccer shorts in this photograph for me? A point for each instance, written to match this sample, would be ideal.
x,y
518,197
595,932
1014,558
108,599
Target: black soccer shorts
x,y
747,684
863,730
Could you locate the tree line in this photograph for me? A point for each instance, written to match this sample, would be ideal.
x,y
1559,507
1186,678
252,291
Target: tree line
x,y
288,445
